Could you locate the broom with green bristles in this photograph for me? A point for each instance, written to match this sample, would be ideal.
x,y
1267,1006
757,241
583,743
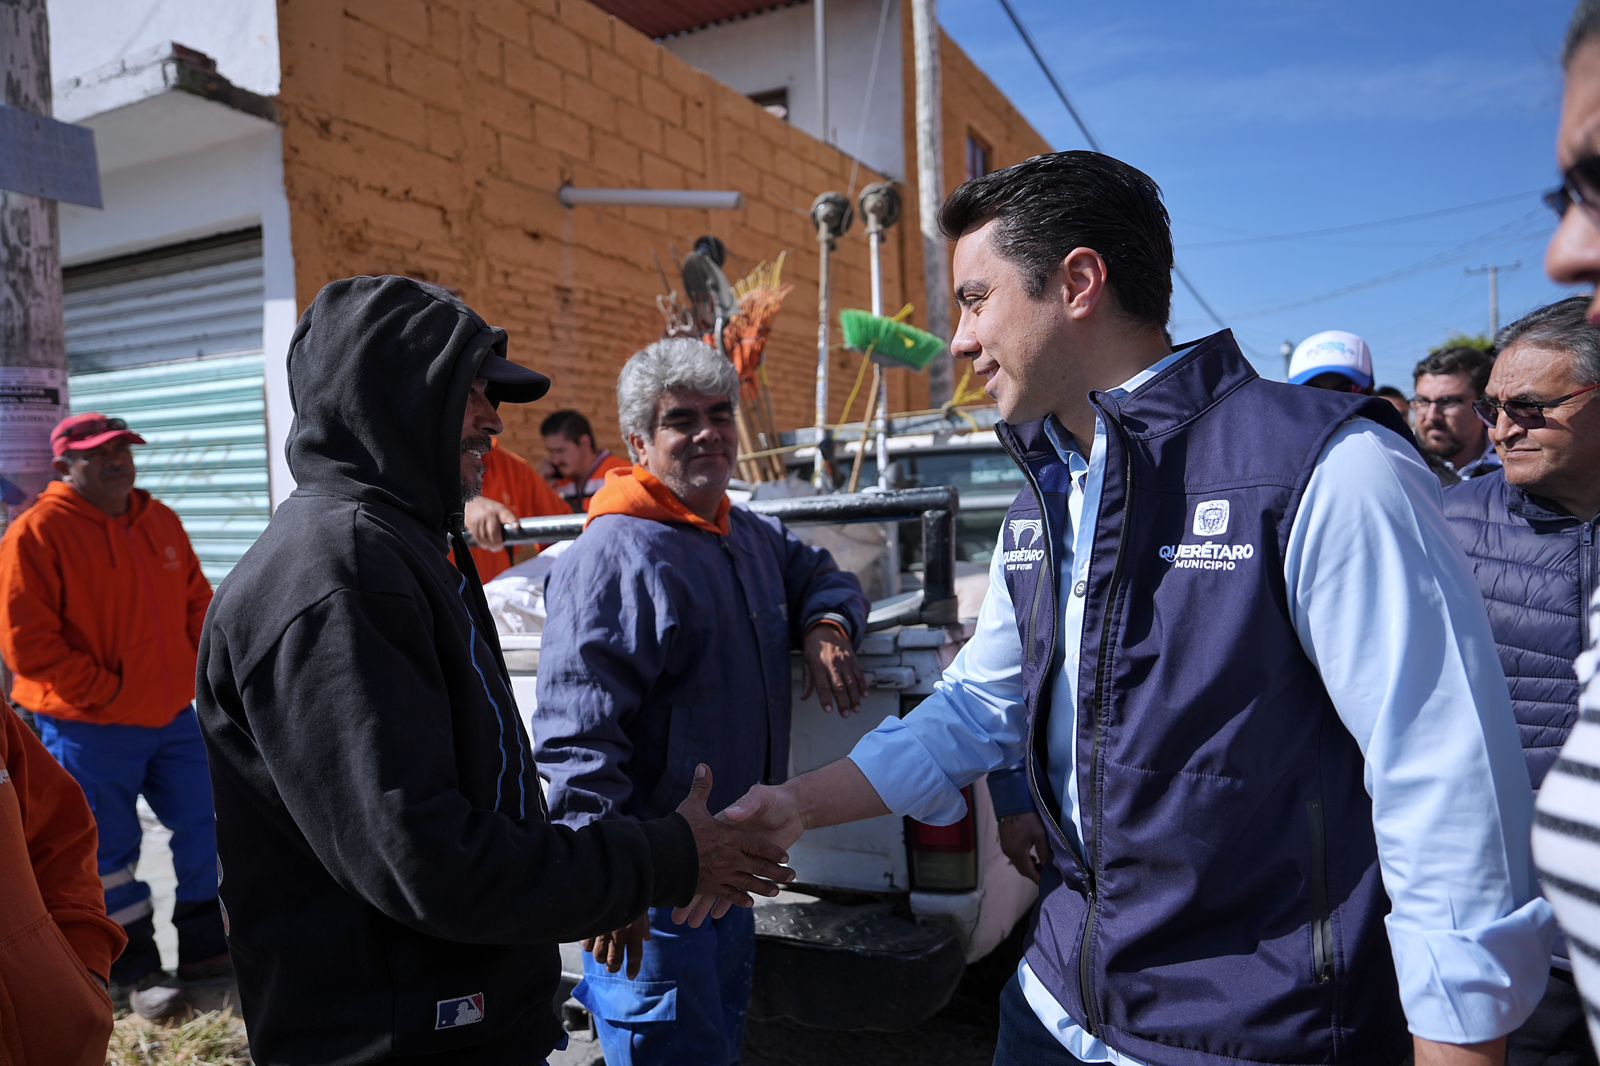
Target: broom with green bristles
x,y
884,342
890,342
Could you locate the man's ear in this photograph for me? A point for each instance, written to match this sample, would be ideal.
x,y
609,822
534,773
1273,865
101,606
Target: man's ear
x,y
636,445
1084,277
62,466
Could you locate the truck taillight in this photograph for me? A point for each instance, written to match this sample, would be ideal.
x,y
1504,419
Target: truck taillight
x,y
944,858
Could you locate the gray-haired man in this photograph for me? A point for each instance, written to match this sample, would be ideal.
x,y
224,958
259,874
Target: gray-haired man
x,y
677,613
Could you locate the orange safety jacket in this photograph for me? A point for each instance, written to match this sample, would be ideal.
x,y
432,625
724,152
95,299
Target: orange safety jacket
x,y
100,616
56,943
578,493
512,480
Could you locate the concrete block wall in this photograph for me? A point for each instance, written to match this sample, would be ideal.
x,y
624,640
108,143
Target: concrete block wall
x,y
430,137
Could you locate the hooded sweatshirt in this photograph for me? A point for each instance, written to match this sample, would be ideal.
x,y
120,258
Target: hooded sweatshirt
x,y
55,938
636,491
100,616
393,888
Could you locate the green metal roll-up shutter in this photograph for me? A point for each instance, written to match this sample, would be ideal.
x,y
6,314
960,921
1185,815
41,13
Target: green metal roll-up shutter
x,y
171,342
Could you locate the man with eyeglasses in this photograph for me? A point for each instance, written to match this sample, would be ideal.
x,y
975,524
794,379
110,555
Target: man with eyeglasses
x,y
1531,537
101,602
1446,383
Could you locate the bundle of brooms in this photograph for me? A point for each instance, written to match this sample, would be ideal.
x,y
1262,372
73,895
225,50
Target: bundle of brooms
x,y
760,296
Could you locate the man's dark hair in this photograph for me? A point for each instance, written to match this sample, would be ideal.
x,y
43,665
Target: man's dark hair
x,y
1054,203
1472,362
1584,25
1562,327
1389,392
569,424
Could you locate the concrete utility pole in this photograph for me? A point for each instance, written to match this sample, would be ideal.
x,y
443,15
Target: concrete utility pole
x,y
930,189
33,359
1493,270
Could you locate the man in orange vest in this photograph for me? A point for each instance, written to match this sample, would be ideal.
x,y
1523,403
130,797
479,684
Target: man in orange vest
x,y
101,602
576,468
512,489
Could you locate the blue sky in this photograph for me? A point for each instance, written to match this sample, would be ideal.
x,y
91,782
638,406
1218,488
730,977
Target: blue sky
x,y
1261,118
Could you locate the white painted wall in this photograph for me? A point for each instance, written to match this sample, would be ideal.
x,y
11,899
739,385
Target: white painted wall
x,y
91,39
774,51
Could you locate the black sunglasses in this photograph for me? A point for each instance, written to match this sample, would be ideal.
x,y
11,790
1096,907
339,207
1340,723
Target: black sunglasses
x,y
1580,185
1523,412
85,430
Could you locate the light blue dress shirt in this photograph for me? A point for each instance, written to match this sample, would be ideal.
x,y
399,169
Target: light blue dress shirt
x,y
1387,609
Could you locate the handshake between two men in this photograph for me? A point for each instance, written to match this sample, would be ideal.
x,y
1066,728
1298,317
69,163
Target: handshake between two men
x,y
743,850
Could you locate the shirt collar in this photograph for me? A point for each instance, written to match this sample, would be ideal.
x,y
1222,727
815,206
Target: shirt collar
x,y
1068,449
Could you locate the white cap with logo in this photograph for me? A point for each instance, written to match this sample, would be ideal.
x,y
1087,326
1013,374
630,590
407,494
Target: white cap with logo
x,y
1332,351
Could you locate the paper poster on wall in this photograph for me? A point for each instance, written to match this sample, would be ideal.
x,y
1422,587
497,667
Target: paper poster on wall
x,y
32,400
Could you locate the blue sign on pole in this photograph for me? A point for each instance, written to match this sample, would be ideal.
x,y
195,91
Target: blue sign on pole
x,y
42,157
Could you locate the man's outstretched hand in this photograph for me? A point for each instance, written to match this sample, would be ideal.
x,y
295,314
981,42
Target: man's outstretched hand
x,y
765,812
735,861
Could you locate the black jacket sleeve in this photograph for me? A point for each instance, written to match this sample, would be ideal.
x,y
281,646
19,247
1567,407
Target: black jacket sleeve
x,y
353,724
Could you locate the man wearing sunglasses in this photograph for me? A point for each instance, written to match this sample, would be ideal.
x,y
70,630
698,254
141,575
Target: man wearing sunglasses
x,y
101,601
1531,537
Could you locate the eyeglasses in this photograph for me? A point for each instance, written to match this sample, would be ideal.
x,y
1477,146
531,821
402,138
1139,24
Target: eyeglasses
x,y
1524,412
1580,185
85,430
1445,404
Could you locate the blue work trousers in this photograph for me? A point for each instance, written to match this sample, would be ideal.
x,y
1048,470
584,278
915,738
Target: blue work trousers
x,y
687,1006
115,764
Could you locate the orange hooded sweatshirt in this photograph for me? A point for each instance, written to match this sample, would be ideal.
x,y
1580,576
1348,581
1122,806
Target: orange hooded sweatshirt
x,y
636,491
57,940
99,616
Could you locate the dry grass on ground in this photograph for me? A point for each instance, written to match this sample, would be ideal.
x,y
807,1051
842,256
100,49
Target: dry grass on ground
x,y
215,1038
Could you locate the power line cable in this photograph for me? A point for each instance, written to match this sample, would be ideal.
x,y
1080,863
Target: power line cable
x,y
1038,57
1349,227
1027,39
1465,250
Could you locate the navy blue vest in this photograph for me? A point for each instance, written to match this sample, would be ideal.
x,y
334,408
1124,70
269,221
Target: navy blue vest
x,y
1536,567
1231,908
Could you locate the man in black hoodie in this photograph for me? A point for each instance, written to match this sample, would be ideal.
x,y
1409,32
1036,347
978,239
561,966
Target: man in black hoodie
x,y
393,887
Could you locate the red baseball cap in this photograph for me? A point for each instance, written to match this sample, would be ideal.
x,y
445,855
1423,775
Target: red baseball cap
x,y
80,433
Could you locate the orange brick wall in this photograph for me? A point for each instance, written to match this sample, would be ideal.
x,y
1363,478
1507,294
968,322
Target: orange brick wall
x,y
972,104
430,137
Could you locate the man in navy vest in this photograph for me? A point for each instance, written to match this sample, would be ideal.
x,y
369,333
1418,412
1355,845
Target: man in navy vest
x,y
1531,537
1246,666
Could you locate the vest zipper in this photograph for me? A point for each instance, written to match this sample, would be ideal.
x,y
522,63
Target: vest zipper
x,y
1103,702
1321,925
1029,761
1586,567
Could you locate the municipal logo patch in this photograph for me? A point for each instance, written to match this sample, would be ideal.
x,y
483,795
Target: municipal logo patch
x,y
1025,532
1211,518
1027,547
454,1013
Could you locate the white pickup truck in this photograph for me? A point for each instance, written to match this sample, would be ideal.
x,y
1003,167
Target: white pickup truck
x,y
885,914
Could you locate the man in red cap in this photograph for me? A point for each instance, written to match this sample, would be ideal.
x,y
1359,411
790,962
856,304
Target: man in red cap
x,y
101,602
